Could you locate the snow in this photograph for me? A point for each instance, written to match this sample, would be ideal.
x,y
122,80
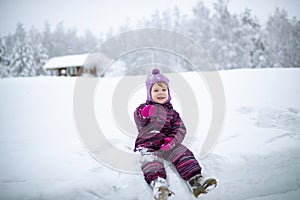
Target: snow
x,y
256,158
66,61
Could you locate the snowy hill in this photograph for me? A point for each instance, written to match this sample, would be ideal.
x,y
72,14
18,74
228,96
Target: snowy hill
x,y
256,158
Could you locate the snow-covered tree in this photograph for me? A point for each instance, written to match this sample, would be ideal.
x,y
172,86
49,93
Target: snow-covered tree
x,y
223,45
167,21
22,56
4,62
252,50
155,20
281,38
73,42
59,40
295,43
47,39
89,42
178,19
40,56
199,27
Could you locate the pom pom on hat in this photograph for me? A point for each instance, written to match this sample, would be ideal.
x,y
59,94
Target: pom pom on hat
x,y
155,71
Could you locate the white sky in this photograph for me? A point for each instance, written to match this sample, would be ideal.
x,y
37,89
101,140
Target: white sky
x,y
99,15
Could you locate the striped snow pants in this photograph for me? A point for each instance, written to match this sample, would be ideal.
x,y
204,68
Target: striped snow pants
x,y
180,156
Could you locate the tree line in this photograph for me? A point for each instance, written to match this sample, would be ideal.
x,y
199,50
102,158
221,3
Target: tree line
x,y
231,40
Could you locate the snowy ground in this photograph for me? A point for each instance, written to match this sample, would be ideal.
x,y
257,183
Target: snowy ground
x,y
256,158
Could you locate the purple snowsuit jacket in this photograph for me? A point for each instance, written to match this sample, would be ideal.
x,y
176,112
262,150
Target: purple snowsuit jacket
x,y
166,122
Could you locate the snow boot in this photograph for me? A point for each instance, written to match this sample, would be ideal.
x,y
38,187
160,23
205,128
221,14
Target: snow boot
x,y
161,190
199,185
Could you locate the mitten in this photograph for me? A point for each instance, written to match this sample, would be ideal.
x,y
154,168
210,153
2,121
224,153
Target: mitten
x,y
148,111
168,144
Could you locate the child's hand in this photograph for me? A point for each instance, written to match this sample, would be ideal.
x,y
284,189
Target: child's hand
x,y
148,111
168,145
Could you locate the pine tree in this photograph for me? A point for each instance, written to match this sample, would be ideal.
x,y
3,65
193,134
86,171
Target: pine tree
x,y
40,56
22,55
223,45
89,42
3,60
279,37
47,39
251,43
59,40
72,42
200,27
295,43
178,19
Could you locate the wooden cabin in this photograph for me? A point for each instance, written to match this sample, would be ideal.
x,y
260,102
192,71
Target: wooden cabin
x,y
71,65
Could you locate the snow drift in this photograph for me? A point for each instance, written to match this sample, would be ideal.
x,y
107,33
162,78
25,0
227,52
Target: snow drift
x,y
257,157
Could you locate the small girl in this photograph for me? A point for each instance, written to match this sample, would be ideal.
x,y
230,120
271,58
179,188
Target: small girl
x,y
161,132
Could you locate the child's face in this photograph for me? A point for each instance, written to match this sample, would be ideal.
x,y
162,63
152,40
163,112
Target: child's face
x,y
159,93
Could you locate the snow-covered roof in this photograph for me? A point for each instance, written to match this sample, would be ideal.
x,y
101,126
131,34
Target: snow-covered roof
x,y
66,61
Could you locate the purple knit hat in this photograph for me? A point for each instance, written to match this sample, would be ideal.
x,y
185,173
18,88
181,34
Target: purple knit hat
x,y
153,78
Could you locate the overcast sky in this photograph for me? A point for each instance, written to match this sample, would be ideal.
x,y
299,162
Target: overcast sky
x,y
99,15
